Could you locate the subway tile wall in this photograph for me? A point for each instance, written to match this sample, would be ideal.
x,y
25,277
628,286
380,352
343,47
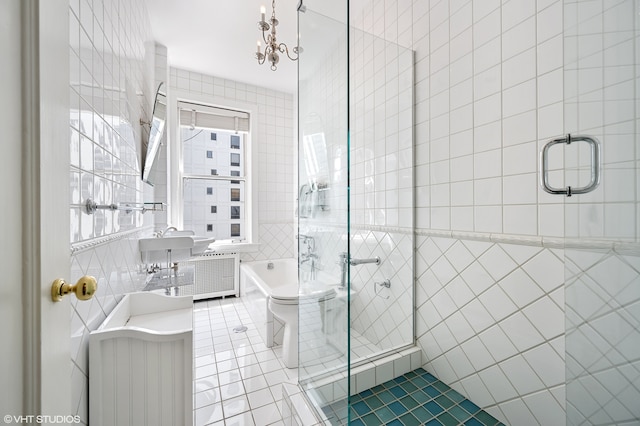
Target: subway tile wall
x,y
108,92
274,142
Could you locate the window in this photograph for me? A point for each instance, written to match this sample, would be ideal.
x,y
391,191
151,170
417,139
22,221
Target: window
x,y
213,170
235,212
235,142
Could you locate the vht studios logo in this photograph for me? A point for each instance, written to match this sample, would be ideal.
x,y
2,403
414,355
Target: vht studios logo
x,y
37,419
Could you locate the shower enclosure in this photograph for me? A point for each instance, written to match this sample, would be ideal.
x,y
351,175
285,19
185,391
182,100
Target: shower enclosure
x,y
355,202
602,228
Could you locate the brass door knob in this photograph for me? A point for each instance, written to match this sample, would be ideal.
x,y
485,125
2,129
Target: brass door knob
x,y
84,289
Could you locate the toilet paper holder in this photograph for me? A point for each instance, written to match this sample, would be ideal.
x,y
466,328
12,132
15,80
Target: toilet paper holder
x,y
376,287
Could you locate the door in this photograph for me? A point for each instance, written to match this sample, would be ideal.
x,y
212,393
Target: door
x,y
35,122
602,252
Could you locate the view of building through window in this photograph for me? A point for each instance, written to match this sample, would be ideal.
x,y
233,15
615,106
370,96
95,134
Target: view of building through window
x,y
214,182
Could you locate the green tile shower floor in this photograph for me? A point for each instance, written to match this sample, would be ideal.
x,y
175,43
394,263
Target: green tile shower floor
x,y
415,398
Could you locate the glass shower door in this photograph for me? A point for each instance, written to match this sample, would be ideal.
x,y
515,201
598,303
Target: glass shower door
x,y
602,233
323,205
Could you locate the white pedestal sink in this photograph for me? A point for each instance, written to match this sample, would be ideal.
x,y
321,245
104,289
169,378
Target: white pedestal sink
x,y
174,246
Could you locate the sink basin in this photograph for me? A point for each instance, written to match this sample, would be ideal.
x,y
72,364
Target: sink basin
x,y
182,244
166,243
200,244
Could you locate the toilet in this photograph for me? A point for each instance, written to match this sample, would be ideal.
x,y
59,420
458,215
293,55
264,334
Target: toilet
x,y
283,304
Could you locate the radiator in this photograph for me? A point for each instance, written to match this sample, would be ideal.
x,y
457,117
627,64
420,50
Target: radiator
x,y
216,275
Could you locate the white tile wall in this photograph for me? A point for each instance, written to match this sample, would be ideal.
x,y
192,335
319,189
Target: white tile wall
x,y
274,142
599,293
107,71
486,72
381,176
600,381
488,92
491,324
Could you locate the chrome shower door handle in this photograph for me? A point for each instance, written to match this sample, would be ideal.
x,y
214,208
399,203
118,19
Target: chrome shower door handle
x,y
595,165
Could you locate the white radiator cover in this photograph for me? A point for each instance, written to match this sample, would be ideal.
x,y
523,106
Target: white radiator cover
x,y
215,275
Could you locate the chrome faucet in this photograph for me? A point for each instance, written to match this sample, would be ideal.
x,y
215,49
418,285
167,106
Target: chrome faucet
x,y
160,234
345,261
310,256
169,228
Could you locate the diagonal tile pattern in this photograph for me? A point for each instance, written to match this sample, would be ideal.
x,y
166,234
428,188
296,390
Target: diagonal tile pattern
x,y
276,242
602,382
382,316
489,318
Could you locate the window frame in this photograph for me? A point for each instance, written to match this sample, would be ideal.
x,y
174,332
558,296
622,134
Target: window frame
x,y
175,148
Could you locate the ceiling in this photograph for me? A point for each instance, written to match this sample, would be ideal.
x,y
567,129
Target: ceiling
x,y
218,37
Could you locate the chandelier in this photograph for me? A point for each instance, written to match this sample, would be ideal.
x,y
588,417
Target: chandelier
x,y
272,47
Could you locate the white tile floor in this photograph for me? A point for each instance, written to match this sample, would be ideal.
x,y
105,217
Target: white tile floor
x,y
237,380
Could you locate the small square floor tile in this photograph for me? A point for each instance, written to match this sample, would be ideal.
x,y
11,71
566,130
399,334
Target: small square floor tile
x,y
431,391
397,408
448,420
433,408
385,414
397,391
374,402
469,406
444,402
361,408
409,402
409,420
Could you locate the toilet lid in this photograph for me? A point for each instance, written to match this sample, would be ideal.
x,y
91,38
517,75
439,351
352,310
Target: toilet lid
x,y
293,292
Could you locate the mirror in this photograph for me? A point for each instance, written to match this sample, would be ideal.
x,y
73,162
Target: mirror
x,y
150,150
